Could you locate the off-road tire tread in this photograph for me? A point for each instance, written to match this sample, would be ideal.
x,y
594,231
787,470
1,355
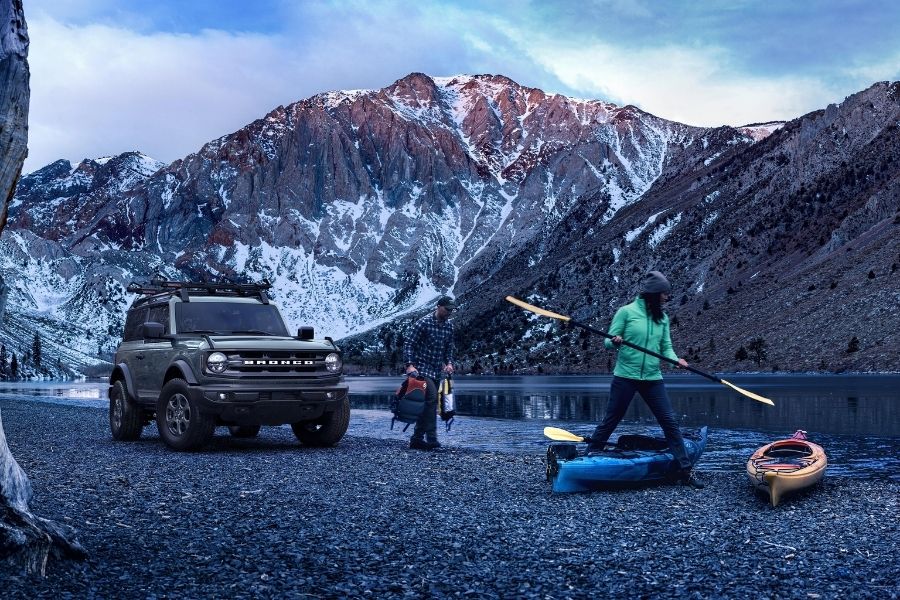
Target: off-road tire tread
x,y
132,416
334,426
201,427
244,431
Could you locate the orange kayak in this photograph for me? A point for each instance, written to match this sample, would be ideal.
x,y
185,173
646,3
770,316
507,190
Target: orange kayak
x,y
786,466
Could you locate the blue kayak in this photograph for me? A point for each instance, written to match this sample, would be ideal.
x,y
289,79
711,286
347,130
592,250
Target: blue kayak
x,y
633,460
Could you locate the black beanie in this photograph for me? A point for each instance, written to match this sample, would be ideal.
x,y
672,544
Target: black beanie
x,y
655,282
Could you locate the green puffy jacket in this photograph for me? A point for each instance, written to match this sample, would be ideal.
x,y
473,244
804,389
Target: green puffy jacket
x,y
635,324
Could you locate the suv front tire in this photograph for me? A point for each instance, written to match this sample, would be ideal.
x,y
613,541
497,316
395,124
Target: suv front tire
x,y
126,420
244,431
181,424
326,430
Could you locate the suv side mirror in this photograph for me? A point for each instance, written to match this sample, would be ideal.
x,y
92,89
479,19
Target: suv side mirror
x,y
153,331
305,333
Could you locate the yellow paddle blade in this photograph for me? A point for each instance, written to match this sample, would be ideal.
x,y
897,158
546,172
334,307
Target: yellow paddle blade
x,y
538,311
561,435
756,397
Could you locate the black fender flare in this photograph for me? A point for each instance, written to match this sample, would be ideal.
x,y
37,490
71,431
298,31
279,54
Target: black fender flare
x,y
122,372
186,371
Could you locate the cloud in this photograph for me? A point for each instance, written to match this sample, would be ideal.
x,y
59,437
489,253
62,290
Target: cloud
x,y
887,68
630,8
99,90
693,85
101,87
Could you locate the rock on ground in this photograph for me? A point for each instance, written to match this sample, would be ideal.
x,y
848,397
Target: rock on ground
x,y
268,518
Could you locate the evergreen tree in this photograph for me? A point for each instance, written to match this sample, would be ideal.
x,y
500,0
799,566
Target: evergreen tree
x,y
14,366
3,359
758,350
36,350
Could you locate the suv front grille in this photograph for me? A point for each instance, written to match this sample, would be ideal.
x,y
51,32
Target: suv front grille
x,y
270,363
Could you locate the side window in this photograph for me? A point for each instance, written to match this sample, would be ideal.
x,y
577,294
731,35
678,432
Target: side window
x,y
133,322
160,314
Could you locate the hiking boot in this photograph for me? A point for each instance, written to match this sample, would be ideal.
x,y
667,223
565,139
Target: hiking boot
x,y
433,443
689,479
594,446
420,444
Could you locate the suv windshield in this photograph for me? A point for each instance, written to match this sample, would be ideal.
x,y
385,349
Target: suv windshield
x,y
228,318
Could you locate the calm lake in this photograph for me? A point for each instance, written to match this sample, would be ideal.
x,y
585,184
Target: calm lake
x,y
856,418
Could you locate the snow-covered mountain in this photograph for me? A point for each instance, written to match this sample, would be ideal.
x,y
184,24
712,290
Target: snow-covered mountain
x,y
363,206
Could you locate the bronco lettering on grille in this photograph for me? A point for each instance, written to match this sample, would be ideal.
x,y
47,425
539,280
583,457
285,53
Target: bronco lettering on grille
x,y
279,363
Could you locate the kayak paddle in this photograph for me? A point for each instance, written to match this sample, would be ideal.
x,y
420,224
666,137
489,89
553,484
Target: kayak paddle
x,y
561,435
546,313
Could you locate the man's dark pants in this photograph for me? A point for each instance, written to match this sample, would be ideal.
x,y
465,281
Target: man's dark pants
x,y
426,426
621,392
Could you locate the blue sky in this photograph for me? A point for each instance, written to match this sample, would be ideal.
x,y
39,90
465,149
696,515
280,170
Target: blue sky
x,y
166,76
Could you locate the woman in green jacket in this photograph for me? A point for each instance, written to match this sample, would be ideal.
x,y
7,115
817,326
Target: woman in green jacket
x,y
644,323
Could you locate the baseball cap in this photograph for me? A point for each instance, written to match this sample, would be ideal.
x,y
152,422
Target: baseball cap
x,y
447,302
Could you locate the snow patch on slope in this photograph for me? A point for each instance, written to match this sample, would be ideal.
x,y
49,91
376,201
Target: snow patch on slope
x,y
662,230
631,235
760,131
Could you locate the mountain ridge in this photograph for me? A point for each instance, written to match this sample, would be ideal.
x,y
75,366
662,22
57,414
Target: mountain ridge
x,y
363,206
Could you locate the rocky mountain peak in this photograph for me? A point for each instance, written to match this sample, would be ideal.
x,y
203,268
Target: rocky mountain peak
x,y
416,90
51,202
363,206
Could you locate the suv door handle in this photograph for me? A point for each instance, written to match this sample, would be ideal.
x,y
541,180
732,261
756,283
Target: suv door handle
x,y
139,356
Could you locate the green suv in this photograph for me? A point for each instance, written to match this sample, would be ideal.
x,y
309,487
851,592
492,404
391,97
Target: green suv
x,y
198,355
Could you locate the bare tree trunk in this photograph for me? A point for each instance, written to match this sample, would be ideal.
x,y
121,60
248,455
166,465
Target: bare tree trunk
x,y
24,538
14,97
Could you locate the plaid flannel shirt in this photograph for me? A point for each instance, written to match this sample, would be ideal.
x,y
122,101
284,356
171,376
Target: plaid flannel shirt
x,y
429,345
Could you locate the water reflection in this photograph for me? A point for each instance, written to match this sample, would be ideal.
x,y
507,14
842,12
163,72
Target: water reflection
x,y
852,405
80,392
856,418
844,405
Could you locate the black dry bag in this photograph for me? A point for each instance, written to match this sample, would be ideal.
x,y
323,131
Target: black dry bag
x,y
409,402
446,402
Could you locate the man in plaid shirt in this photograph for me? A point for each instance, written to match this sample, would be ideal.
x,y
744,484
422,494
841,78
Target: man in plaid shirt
x,y
429,351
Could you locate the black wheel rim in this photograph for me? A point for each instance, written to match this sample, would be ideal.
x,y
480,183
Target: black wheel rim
x,y
178,414
117,412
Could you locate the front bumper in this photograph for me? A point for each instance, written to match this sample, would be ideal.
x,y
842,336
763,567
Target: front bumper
x,y
267,405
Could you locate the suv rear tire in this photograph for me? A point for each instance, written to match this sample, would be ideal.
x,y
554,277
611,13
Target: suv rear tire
x,y
244,431
181,424
126,421
327,430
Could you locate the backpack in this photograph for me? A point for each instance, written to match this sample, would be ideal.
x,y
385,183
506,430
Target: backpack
x,y
409,401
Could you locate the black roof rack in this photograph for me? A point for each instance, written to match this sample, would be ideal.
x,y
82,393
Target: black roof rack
x,y
164,287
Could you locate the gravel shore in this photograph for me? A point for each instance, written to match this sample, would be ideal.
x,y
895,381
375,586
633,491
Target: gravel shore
x,y
268,518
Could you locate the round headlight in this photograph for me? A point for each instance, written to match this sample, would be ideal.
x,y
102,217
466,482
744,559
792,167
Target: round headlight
x,y
333,362
217,362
